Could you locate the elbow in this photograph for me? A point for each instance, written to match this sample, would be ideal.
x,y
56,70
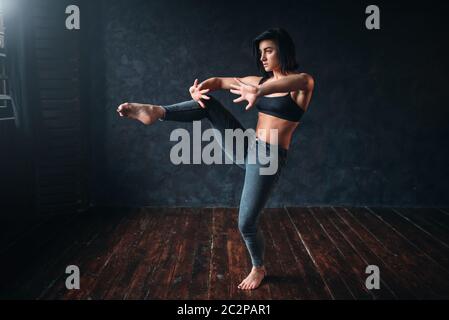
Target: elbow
x,y
310,83
217,82
306,82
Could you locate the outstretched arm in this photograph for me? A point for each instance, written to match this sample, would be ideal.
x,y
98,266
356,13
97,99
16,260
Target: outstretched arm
x,y
251,92
224,83
212,84
198,91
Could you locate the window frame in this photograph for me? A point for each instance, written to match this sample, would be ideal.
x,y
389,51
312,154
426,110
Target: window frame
x,y
5,93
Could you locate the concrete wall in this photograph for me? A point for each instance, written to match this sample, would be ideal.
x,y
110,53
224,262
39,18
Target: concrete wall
x,y
375,132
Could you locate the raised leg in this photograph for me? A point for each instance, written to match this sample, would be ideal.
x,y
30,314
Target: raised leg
x,y
219,117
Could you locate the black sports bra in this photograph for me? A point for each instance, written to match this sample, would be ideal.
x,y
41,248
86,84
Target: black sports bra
x,y
282,107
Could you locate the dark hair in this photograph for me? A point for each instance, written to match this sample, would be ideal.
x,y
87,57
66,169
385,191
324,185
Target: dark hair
x,y
287,52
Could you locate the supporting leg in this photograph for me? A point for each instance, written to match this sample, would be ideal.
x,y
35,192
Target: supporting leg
x,y
256,191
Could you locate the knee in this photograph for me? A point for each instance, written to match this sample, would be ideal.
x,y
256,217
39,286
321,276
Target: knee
x,y
212,101
246,227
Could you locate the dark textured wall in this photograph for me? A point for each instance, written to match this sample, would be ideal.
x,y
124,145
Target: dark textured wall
x,y
375,132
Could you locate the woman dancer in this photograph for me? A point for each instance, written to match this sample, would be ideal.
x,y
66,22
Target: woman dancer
x,y
282,95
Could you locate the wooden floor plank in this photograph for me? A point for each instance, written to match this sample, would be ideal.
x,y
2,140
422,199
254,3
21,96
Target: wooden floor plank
x,y
355,263
348,261
117,259
285,274
416,216
130,256
93,258
390,277
183,269
432,273
322,251
219,277
395,249
48,253
437,217
101,250
314,284
199,253
157,287
416,236
373,253
89,230
198,288
29,247
150,247
106,224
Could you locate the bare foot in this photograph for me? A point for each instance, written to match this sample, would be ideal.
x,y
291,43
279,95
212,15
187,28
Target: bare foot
x,y
145,113
253,280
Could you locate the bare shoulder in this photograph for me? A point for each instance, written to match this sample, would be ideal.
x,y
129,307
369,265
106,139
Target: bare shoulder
x,y
253,80
303,96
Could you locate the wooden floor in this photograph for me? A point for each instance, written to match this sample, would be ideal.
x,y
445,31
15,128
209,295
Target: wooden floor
x,y
188,253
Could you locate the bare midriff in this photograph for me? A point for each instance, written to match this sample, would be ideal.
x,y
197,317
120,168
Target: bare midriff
x,y
285,129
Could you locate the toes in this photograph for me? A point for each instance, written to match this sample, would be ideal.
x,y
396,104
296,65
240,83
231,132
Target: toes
x,y
243,284
249,284
124,109
121,107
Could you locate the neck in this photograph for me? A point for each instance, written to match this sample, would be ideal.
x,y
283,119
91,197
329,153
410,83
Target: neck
x,y
277,74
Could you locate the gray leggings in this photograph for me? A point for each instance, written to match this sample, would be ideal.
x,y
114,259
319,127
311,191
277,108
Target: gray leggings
x,y
257,187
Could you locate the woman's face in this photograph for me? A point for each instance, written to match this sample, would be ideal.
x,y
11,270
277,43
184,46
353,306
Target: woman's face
x,y
269,55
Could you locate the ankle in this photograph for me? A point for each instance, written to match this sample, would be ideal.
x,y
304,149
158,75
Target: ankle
x,y
259,269
160,112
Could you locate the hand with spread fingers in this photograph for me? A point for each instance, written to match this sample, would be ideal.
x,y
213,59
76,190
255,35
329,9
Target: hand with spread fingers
x,y
198,94
246,91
